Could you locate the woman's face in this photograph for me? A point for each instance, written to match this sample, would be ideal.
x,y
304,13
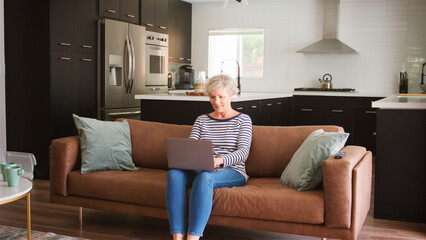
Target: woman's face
x,y
220,100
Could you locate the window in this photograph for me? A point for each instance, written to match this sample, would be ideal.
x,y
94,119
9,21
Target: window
x,y
243,45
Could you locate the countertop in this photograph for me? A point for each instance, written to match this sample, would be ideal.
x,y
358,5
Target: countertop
x,y
401,102
237,98
180,95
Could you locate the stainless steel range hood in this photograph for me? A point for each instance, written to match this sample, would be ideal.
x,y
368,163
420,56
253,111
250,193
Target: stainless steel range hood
x,y
329,43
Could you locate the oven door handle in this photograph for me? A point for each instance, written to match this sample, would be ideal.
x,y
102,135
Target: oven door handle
x,y
132,77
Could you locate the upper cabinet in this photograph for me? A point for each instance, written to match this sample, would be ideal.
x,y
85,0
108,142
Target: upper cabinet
x,y
125,10
73,25
154,15
129,11
180,30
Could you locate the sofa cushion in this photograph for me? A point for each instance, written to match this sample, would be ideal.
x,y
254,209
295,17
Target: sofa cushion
x,y
104,145
266,198
148,145
272,147
304,172
145,186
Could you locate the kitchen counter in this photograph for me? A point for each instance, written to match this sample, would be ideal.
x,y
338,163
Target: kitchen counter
x,y
338,94
238,98
401,102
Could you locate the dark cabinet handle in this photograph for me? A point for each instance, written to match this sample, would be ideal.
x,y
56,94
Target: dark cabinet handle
x,y
65,44
65,58
162,27
188,59
130,16
336,111
371,112
181,58
254,106
240,108
86,46
86,59
278,103
150,25
306,110
269,104
110,11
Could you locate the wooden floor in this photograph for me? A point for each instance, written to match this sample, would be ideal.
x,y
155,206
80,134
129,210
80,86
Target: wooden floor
x,y
62,219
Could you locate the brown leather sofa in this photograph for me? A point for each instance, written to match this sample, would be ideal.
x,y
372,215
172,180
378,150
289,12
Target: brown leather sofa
x,y
337,209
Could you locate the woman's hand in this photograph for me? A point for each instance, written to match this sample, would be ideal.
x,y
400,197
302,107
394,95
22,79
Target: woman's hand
x,y
218,162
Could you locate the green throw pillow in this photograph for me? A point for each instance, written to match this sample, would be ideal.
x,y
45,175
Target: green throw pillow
x,y
104,145
304,172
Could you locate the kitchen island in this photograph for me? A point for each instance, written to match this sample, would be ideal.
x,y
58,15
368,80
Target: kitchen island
x,y
179,108
400,166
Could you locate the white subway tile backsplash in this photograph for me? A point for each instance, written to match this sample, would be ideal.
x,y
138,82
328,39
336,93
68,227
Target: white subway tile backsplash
x,y
390,36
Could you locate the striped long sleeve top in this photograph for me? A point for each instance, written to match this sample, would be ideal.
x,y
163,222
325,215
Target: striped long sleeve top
x,y
231,138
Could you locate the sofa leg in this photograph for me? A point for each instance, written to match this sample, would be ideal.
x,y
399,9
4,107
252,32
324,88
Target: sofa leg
x,y
80,217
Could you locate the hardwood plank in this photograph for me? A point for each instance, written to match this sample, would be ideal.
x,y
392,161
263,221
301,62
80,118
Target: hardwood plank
x,y
98,224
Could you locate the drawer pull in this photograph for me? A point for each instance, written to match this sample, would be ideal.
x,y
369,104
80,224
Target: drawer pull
x,y
65,44
336,111
65,58
254,106
163,27
188,59
110,11
181,58
278,103
269,104
150,25
240,108
86,59
86,46
306,110
374,133
371,112
130,16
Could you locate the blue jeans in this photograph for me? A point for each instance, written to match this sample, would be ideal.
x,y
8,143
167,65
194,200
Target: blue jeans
x,y
201,199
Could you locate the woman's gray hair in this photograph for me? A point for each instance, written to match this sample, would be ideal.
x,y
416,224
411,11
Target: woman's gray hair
x,y
221,81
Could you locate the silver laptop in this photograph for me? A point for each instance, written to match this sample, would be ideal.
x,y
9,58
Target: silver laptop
x,y
190,154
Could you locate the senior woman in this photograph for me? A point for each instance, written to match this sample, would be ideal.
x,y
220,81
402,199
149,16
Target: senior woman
x,y
230,132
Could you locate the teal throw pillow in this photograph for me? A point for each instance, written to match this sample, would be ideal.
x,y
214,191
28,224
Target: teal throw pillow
x,y
304,172
104,145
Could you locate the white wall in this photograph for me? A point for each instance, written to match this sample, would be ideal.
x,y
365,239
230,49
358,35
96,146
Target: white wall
x,y
388,34
2,88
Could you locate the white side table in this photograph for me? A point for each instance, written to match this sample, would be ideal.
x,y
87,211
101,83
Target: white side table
x,y
10,194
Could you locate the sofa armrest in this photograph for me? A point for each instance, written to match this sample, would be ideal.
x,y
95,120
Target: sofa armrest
x,y
64,154
338,186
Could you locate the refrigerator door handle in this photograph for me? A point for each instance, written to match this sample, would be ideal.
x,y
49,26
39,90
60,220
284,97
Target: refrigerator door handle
x,y
128,64
124,113
132,78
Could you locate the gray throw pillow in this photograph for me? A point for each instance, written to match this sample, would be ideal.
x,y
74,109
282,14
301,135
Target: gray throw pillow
x,y
104,145
304,172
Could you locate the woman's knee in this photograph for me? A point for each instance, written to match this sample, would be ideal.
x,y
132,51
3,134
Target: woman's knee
x,y
175,175
204,178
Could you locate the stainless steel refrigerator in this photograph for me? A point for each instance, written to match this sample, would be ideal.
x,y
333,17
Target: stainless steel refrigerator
x,y
121,69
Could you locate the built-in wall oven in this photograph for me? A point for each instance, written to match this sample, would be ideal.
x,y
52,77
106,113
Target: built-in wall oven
x,y
157,54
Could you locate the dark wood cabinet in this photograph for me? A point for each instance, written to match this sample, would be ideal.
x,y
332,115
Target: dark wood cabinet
x,y
307,115
250,108
109,8
180,30
129,11
73,25
154,15
275,112
62,24
365,123
85,85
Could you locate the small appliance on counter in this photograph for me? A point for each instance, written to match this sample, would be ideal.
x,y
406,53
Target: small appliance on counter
x,y
199,81
403,82
186,78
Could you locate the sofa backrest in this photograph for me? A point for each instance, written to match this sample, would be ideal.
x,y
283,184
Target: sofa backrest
x,y
148,144
273,147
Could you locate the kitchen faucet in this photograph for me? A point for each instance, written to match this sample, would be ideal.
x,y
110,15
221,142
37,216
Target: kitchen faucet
x,y
238,77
